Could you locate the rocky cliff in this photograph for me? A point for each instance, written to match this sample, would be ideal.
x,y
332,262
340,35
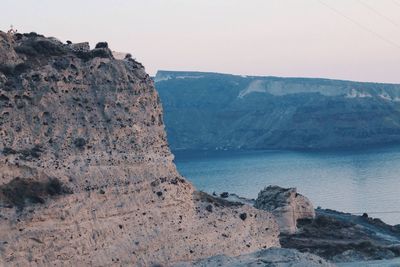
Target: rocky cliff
x,y
220,111
86,175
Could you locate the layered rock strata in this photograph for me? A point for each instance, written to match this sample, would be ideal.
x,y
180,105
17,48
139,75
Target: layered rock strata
x,y
86,175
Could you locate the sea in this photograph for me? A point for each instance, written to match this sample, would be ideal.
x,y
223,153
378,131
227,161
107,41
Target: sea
x,y
353,181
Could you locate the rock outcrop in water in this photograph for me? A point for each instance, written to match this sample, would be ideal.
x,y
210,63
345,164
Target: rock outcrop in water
x,y
86,175
287,205
220,111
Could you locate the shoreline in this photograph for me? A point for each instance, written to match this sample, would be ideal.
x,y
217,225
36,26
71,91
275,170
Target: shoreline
x,y
339,237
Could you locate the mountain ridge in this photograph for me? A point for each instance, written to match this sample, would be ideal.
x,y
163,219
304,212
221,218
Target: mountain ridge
x,y
174,72
220,111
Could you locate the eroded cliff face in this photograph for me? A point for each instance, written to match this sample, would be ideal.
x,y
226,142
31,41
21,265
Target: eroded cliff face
x,y
86,175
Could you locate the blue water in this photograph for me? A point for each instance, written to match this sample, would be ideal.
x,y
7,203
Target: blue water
x,y
350,181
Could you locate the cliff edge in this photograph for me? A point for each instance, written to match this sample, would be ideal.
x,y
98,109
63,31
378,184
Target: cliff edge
x,y
86,174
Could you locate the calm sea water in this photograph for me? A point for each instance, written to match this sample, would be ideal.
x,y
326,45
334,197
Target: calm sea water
x,y
350,181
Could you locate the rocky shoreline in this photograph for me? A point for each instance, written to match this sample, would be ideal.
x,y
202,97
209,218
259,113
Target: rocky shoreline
x,y
335,236
276,257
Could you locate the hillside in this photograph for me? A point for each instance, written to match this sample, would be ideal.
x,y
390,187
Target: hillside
x,y
221,111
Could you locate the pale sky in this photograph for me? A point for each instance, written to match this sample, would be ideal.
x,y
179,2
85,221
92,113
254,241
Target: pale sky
x,y
340,39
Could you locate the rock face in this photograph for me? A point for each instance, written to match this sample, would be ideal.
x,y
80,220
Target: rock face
x,y
287,205
86,175
269,257
220,111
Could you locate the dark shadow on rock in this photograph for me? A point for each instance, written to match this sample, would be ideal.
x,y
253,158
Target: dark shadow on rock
x,y
22,192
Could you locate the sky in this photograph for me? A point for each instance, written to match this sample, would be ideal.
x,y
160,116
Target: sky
x,y
339,39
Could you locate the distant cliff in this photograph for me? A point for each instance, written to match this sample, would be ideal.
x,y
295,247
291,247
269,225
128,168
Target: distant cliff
x,y
220,111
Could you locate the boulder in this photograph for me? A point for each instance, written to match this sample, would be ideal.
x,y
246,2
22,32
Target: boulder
x,y
81,47
287,205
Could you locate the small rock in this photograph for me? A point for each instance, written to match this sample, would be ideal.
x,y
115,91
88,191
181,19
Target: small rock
x,y
209,208
102,45
224,195
79,142
243,216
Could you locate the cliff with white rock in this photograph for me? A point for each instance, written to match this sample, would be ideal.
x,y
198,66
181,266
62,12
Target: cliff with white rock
x,y
220,111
